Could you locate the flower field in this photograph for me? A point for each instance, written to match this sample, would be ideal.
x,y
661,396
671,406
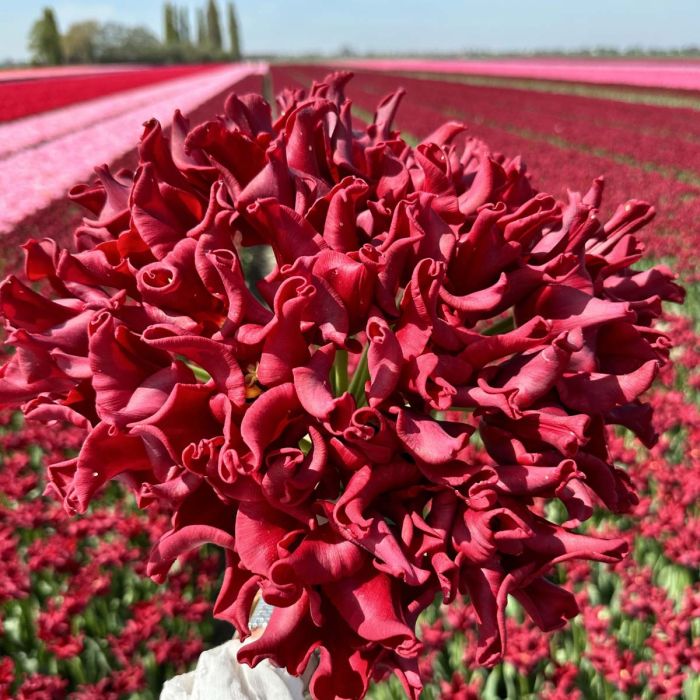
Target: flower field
x,y
80,619
43,72
22,97
669,74
35,174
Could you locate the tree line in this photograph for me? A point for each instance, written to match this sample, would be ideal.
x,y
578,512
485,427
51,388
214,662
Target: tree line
x,y
90,41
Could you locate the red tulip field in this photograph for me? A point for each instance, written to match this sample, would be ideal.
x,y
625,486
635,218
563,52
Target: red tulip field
x,y
413,355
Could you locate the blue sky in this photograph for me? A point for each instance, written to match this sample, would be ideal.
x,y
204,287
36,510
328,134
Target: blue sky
x,y
296,26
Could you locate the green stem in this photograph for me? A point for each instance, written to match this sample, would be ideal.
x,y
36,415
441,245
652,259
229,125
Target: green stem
x,y
359,377
200,374
504,325
339,372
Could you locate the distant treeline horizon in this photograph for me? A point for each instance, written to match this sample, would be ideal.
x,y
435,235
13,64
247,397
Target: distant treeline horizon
x,y
600,52
90,41
692,52
211,37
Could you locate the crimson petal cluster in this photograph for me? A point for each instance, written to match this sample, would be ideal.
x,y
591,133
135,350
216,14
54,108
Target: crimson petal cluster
x,y
462,304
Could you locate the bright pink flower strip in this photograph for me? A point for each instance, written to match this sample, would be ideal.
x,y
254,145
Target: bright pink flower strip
x,y
44,72
37,129
21,98
34,168
669,75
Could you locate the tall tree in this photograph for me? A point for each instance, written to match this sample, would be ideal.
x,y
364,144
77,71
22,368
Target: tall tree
x,y
201,28
119,43
233,32
170,21
45,40
214,26
184,25
79,42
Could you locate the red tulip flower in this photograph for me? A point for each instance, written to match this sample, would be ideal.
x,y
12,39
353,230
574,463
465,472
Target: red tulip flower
x,y
319,423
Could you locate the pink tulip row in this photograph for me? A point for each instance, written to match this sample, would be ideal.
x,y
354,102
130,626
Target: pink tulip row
x,y
41,128
64,71
98,131
22,98
673,75
61,217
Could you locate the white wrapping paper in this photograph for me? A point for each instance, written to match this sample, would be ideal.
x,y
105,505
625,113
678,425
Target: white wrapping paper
x,y
219,676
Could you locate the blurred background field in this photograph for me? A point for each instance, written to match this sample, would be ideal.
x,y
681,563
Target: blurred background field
x,y
78,617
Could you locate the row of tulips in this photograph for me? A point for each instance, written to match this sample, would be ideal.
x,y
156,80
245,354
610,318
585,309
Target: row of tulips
x,y
27,94
672,75
41,72
58,218
639,132
39,172
600,112
39,129
648,134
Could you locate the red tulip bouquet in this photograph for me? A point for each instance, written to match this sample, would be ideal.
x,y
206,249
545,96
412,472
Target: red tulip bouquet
x,y
437,353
